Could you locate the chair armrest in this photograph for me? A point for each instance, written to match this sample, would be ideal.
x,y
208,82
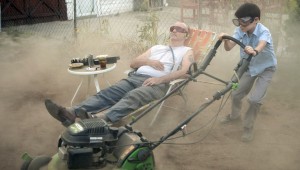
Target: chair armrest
x,y
176,81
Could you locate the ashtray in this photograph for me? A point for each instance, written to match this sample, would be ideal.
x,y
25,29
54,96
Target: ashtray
x,y
75,65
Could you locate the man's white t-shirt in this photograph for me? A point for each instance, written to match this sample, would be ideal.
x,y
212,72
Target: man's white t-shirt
x,y
164,55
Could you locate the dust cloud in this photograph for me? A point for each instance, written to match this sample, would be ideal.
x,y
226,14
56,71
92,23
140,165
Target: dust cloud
x,y
33,68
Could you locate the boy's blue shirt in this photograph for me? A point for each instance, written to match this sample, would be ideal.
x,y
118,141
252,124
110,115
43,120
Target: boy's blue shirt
x,y
266,58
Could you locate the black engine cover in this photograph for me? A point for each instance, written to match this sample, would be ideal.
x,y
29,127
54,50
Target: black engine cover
x,y
89,133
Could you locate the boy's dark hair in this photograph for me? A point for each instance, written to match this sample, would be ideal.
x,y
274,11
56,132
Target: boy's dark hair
x,y
248,10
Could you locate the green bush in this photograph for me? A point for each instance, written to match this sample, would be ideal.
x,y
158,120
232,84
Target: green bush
x,y
292,26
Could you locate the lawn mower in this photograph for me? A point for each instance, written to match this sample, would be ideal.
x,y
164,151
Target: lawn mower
x,y
93,143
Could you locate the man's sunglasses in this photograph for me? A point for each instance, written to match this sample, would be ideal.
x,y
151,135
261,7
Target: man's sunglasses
x,y
178,29
245,21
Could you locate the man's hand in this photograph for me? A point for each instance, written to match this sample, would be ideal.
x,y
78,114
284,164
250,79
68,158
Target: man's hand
x,y
156,64
153,81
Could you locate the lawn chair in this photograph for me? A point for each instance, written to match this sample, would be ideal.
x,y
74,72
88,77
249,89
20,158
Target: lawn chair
x,y
200,41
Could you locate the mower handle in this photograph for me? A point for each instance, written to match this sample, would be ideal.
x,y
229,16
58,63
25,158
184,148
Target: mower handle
x,y
234,40
212,52
199,71
241,68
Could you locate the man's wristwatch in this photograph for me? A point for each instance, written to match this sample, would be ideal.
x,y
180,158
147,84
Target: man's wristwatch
x,y
256,52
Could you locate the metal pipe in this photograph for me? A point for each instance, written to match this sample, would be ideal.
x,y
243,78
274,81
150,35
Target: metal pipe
x,y
75,18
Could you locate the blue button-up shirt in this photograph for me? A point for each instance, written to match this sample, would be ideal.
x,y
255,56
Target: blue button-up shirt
x,y
266,58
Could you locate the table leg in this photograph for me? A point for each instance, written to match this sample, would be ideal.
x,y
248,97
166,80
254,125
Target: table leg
x,y
96,83
76,91
106,80
88,86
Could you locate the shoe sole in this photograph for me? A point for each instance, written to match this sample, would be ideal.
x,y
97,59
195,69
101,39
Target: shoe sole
x,y
82,114
247,138
53,110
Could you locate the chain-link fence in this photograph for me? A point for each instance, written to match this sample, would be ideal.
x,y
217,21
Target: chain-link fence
x,y
143,21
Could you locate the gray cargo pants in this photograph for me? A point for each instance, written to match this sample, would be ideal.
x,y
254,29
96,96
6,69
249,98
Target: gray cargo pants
x,y
258,86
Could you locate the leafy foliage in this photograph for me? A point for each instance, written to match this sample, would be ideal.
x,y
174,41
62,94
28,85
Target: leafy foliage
x,y
147,35
292,26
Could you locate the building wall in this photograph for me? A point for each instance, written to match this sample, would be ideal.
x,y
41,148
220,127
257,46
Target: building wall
x,y
32,11
98,7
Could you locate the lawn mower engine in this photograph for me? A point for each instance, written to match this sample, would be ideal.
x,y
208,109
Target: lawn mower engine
x,y
92,143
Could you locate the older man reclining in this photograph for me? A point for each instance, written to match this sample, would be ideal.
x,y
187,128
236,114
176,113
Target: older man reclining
x,y
155,68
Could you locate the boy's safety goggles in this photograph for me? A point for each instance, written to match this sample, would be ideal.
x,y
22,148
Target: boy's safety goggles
x,y
178,29
245,21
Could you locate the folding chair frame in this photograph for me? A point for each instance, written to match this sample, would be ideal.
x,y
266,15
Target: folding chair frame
x,y
201,42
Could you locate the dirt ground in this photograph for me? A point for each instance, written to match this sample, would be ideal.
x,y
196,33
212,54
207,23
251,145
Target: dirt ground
x,y
35,68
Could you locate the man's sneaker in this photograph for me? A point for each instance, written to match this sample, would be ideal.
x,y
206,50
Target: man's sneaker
x,y
228,119
83,114
247,135
60,113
